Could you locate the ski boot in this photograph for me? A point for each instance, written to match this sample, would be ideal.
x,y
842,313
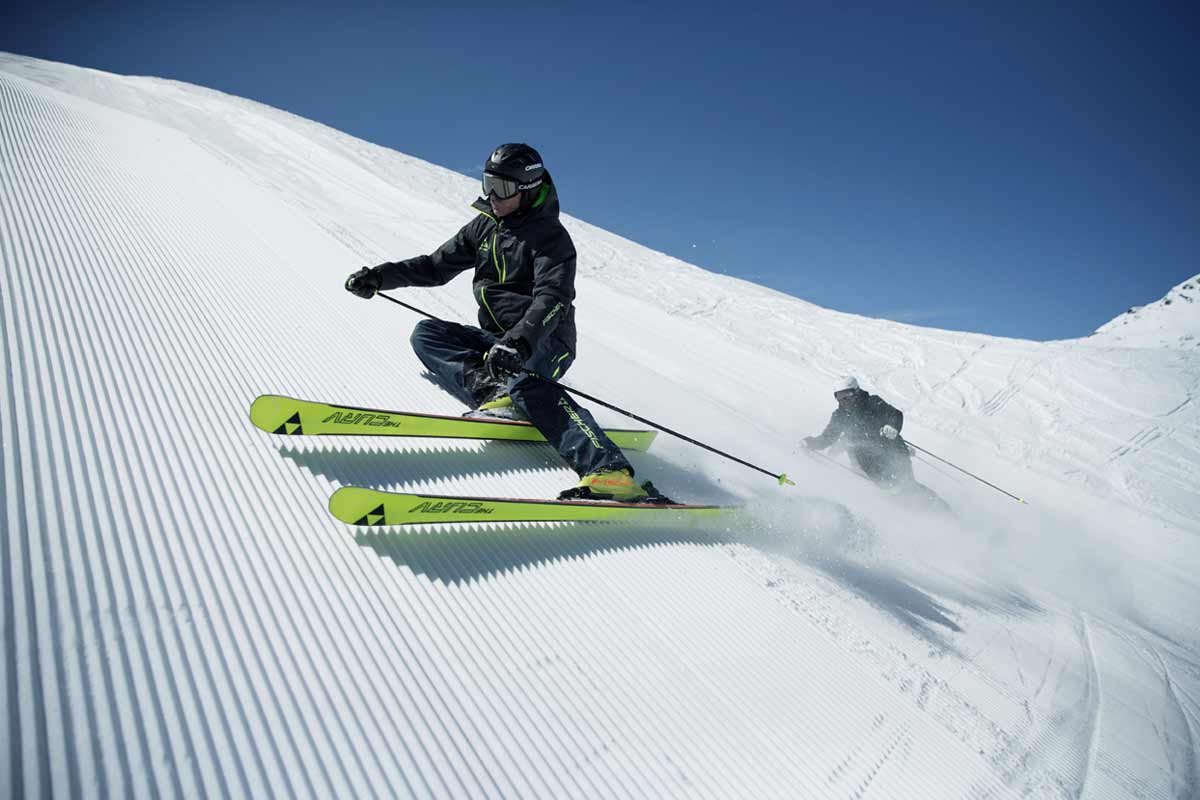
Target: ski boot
x,y
500,407
616,485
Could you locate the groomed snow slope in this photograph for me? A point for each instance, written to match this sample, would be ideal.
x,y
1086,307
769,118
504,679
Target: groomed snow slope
x,y
181,616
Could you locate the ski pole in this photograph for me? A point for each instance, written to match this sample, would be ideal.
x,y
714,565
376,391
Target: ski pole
x,y
818,456
781,477
960,469
406,305
938,469
822,457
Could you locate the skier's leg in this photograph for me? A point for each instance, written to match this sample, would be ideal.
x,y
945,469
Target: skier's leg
x,y
931,499
454,354
570,428
868,460
905,478
897,469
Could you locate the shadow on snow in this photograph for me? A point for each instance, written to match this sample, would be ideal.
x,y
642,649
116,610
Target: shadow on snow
x,y
482,552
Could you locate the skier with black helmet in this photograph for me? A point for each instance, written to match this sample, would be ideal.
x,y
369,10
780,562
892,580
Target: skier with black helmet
x,y
524,282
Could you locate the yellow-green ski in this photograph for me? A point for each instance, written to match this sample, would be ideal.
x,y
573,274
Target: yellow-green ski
x,y
289,416
356,505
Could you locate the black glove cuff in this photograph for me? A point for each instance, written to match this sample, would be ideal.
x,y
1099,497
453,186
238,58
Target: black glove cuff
x,y
518,344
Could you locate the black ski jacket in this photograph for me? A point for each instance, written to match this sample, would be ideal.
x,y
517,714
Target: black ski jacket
x,y
859,425
524,271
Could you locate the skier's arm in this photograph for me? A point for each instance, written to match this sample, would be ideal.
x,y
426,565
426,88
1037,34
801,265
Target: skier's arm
x,y
889,418
438,267
553,293
828,436
890,415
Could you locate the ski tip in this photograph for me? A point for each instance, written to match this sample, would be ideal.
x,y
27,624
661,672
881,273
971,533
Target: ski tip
x,y
266,399
335,499
275,413
257,411
355,505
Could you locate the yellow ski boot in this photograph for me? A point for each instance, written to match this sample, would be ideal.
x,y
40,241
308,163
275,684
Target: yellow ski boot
x,y
617,485
501,407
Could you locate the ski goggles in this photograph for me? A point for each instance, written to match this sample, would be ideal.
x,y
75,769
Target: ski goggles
x,y
503,188
844,394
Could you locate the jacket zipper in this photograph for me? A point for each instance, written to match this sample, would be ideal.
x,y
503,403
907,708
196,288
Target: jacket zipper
x,y
500,274
501,263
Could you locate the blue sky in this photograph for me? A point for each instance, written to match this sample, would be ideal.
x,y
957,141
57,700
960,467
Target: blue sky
x,y
1024,171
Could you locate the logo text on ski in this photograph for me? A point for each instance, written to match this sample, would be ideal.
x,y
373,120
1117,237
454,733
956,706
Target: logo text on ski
x,y
450,507
356,418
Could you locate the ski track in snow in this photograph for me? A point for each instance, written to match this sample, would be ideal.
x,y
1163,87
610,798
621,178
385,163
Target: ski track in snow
x,y
181,617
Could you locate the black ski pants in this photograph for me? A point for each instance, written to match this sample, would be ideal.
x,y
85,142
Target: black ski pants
x,y
454,354
887,466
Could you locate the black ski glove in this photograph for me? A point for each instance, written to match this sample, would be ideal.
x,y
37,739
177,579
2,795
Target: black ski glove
x,y
364,283
505,359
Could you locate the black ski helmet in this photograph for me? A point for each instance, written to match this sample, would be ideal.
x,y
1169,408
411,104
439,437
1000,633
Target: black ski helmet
x,y
517,162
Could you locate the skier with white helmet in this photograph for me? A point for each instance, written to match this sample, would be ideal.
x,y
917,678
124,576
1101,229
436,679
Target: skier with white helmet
x,y
523,261
869,428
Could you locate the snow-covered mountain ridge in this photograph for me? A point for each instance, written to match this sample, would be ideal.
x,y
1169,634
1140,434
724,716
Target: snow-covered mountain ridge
x,y
1172,321
182,617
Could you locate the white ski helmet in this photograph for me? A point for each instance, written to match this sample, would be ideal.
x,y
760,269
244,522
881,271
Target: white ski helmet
x,y
846,383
